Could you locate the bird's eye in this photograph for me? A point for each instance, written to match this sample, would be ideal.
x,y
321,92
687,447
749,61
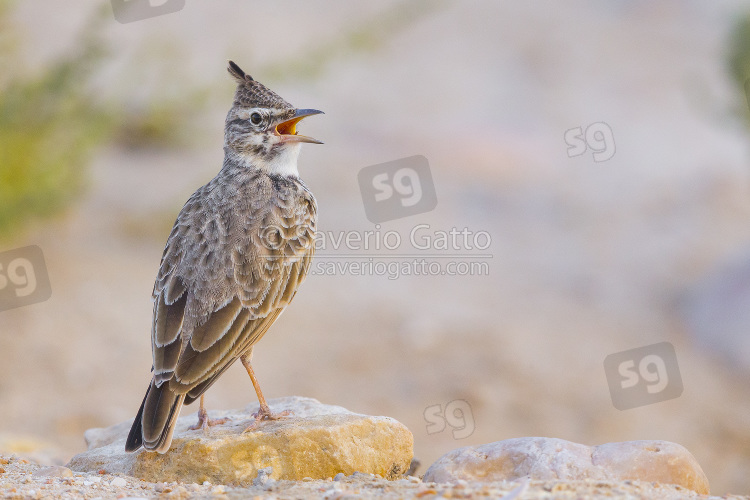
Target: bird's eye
x,y
256,118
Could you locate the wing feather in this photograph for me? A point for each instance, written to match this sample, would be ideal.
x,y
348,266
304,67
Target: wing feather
x,y
254,331
218,324
213,305
168,320
195,365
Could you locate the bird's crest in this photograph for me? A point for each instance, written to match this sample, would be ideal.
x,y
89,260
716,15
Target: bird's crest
x,y
252,94
238,74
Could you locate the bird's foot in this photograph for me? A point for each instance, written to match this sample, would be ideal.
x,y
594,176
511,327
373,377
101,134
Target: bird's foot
x,y
264,413
204,422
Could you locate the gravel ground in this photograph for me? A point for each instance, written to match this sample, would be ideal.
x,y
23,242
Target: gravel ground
x,y
21,479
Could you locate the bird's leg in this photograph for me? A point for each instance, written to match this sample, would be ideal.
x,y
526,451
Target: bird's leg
x,y
203,421
264,413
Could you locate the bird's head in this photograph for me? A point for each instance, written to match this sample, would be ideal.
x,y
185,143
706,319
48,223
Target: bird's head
x,y
261,127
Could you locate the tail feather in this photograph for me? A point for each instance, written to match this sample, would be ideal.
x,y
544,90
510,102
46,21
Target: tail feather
x,y
154,425
201,388
135,437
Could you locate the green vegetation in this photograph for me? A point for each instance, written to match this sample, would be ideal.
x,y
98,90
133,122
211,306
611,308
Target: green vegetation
x,y
162,124
739,60
48,129
52,122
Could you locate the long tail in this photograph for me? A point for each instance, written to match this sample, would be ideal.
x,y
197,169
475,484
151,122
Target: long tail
x,y
154,425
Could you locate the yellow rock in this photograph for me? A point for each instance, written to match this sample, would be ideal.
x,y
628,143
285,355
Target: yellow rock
x,y
317,441
557,459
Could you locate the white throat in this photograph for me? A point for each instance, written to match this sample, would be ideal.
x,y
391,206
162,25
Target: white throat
x,y
284,163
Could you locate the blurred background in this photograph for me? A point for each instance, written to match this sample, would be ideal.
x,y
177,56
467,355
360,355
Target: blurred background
x,y
107,128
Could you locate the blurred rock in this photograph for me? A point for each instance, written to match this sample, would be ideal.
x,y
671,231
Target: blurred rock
x,y
318,441
32,448
549,459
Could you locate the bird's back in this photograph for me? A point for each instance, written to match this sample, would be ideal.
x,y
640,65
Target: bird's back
x,y
238,252
233,234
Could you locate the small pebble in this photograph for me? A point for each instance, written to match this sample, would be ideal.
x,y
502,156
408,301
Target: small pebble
x,y
263,477
423,493
118,482
206,483
54,471
339,476
363,475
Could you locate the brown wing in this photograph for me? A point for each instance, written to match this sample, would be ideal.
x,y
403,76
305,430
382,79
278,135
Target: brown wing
x,y
191,349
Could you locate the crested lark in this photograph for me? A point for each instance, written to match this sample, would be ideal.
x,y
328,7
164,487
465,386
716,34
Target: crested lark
x,y
234,260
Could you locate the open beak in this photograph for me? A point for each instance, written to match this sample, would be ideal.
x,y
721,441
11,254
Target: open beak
x,y
288,130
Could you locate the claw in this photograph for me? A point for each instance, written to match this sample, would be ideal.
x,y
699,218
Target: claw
x,y
204,422
264,413
209,422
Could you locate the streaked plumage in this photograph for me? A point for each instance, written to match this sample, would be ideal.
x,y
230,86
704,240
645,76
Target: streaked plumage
x,y
237,254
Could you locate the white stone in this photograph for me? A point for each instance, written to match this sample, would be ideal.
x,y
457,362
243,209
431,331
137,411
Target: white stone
x,y
118,482
551,459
